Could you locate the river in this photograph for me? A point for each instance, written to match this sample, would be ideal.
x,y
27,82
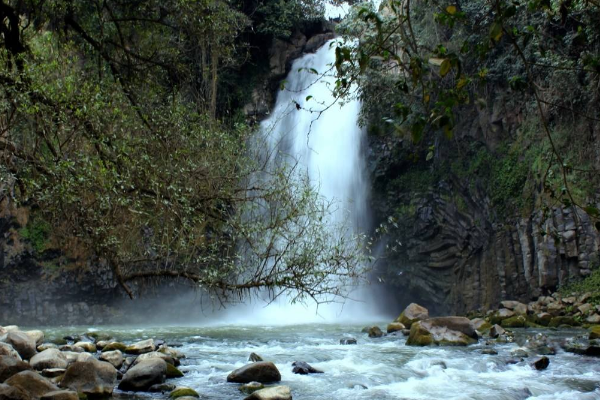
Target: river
x,y
378,368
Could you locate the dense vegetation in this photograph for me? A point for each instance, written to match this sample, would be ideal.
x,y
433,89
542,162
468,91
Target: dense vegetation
x,y
118,132
427,69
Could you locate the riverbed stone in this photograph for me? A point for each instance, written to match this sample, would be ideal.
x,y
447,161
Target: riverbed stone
x,y
162,387
46,346
593,319
83,357
412,313
251,387
346,341
395,327
22,343
115,346
61,395
543,318
272,393
87,346
93,378
562,320
7,350
114,357
517,321
541,363
50,358
145,374
12,393
36,335
443,331
173,372
173,353
262,371
481,325
253,357
71,356
594,332
31,383
141,347
496,331
304,368
375,332
53,372
154,354
183,391
515,306
10,366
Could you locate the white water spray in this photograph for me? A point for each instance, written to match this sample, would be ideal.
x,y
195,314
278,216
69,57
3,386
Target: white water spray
x,y
309,129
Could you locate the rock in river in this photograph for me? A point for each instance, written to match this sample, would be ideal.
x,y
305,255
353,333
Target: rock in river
x,y
145,374
304,368
50,358
10,366
31,383
262,371
271,393
22,343
92,378
443,331
412,313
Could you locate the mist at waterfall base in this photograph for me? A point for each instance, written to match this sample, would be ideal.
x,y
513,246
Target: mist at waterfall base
x,y
329,148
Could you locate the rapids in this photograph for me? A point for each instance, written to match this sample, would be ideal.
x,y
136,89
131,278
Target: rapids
x,y
381,368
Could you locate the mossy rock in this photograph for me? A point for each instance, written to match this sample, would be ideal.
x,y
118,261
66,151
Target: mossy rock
x,y
249,388
595,332
485,327
518,321
114,346
183,392
173,372
419,336
562,322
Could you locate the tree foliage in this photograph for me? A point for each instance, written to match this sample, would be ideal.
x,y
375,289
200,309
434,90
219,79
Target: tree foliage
x,y
419,64
109,129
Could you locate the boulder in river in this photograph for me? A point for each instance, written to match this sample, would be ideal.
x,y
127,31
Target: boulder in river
x,y
183,391
515,306
36,335
251,387
443,331
145,374
375,332
114,346
412,313
255,357
22,343
93,378
31,383
348,341
541,363
7,350
144,346
154,354
594,332
304,368
50,358
87,346
272,393
114,357
516,321
12,393
61,395
10,366
262,371
395,327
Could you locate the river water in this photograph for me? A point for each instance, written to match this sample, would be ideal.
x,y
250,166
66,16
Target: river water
x,y
383,368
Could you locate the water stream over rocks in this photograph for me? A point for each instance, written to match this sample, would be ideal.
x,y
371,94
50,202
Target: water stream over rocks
x,y
375,368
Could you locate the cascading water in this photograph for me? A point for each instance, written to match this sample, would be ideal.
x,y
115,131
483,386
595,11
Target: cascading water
x,y
320,137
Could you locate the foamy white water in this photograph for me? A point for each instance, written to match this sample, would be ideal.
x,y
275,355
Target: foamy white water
x,y
376,368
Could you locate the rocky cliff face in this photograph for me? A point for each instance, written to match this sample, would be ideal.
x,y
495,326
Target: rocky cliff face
x,y
453,251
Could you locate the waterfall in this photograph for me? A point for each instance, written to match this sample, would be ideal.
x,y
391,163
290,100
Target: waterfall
x,y
321,137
